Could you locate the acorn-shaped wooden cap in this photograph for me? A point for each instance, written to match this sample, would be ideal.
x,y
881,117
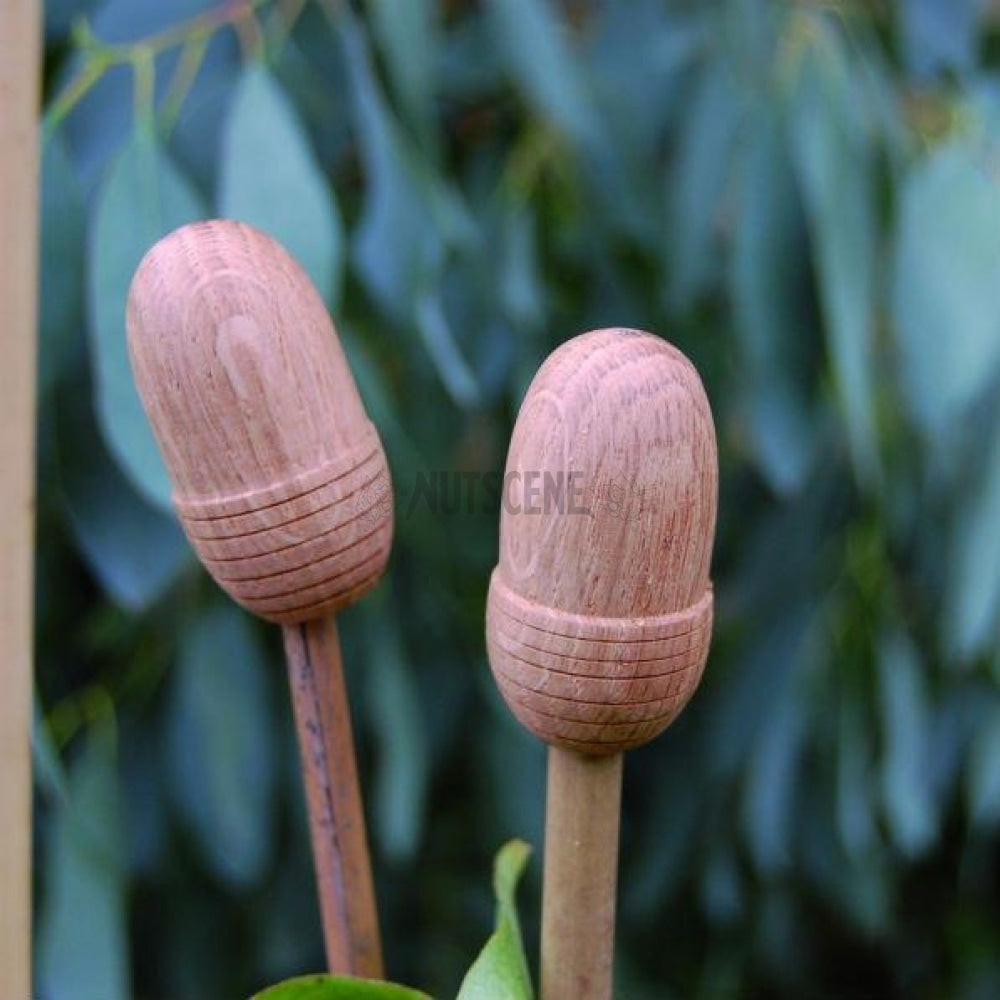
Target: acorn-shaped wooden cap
x,y
279,476
600,610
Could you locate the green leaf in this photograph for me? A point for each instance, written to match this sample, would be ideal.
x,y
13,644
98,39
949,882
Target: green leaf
x,y
408,32
269,178
721,888
698,181
83,949
939,34
61,276
520,285
501,970
769,808
338,988
972,591
767,280
395,244
408,221
855,816
945,290
143,198
909,805
658,45
401,772
47,769
135,550
835,168
438,339
220,744
543,65
983,776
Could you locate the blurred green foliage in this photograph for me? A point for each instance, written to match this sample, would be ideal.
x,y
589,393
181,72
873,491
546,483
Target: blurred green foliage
x,y
804,197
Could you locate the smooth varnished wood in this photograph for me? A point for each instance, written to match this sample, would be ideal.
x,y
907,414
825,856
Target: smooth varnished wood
x,y
20,75
281,484
279,475
599,614
340,847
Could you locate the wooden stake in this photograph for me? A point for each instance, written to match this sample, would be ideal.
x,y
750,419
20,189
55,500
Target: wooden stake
x,y
282,486
340,847
581,868
600,609
20,72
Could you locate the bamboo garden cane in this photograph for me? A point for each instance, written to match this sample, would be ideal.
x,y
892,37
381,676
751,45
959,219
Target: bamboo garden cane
x,y
600,611
283,489
20,75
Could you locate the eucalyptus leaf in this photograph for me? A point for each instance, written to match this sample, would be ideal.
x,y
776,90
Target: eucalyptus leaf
x,y
401,773
698,181
83,947
408,221
659,46
945,292
906,793
269,178
721,888
220,747
854,792
396,247
541,60
521,289
408,32
501,970
767,278
135,550
835,168
437,337
939,34
983,775
144,196
48,772
769,804
338,988
972,580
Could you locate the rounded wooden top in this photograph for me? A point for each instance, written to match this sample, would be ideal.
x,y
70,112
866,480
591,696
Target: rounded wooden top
x,y
280,479
600,608
237,362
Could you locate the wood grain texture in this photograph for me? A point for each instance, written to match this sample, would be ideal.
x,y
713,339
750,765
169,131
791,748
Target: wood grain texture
x,y
580,876
20,74
280,478
282,486
600,610
599,613
340,846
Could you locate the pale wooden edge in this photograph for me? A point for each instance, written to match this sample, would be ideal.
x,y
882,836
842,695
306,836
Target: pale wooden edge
x,y
20,68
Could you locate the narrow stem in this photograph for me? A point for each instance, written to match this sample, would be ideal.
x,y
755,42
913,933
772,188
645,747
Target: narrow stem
x,y
100,56
336,817
582,816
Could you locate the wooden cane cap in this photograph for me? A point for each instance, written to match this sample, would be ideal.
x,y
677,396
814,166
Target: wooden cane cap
x,y
279,476
600,610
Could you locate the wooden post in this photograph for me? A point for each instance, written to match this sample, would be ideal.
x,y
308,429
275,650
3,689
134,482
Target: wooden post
x,y
281,484
340,846
581,873
600,610
20,68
